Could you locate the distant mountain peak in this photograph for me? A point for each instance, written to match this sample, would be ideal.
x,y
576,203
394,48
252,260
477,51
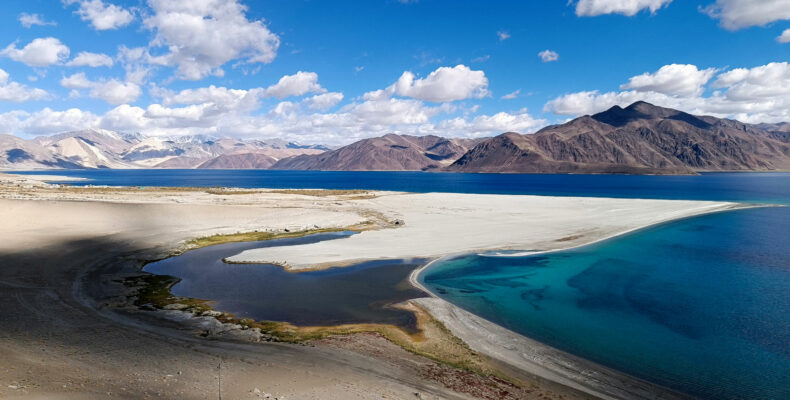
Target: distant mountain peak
x,y
642,110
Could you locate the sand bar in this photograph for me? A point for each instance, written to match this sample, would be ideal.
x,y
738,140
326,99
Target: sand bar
x,y
440,224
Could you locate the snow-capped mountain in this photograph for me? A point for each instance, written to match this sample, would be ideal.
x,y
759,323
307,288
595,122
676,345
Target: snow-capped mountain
x,y
98,148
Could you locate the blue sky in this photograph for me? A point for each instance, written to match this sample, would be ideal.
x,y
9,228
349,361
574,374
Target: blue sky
x,y
333,72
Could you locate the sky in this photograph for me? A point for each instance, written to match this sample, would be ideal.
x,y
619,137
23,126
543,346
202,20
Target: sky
x,y
333,72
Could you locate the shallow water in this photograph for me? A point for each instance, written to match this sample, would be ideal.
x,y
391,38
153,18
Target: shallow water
x,y
356,294
701,305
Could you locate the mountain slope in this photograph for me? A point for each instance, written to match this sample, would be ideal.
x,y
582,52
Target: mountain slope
x,y
97,148
387,153
239,161
641,138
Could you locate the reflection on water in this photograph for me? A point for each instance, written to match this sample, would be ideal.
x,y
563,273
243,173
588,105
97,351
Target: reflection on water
x,y
358,294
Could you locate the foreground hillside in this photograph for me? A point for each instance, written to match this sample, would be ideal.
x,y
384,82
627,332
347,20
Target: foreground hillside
x,y
641,138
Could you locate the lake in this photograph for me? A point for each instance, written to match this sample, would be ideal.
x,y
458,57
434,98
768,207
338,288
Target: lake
x,y
701,305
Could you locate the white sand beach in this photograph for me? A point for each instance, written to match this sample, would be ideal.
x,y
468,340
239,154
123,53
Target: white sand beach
x,y
440,224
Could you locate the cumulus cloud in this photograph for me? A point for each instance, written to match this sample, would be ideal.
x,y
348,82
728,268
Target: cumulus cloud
x,y
757,94
484,125
673,80
102,16
445,84
115,92
591,8
548,56
76,81
784,37
41,52
297,84
201,36
89,59
28,20
324,101
503,35
16,92
738,14
48,121
112,91
306,117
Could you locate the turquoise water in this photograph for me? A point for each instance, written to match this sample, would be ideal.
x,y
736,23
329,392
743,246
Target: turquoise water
x,y
701,305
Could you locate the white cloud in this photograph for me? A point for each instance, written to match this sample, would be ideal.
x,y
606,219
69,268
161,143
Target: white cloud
x,y
16,92
28,20
445,84
241,112
481,59
112,91
784,37
758,94
324,101
511,95
738,14
548,56
76,81
503,35
673,79
41,52
203,35
297,84
591,8
102,16
485,125
89,59
116,92
770,81
47,121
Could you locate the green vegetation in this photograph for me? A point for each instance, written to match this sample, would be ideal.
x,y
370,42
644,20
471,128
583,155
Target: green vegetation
x,y
256,236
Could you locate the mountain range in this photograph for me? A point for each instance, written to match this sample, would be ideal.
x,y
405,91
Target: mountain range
x,y
107,149
639,139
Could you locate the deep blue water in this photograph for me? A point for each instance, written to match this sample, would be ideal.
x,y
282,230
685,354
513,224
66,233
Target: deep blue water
x,y
701,305
763,187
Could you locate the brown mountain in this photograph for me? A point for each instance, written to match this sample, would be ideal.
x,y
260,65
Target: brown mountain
x,y
639,139
239,161
387,153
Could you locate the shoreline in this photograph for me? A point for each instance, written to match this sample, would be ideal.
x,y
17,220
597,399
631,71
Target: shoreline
x,y
170,219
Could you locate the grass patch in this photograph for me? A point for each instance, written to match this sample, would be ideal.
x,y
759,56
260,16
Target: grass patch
x,y
220,191
154,290
433,340
259,236
322,192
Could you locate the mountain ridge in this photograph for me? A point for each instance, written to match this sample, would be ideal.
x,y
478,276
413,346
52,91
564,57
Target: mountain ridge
x,y
639,139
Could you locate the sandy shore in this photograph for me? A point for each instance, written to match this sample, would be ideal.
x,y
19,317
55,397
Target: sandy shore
x,y
440,224
62,250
